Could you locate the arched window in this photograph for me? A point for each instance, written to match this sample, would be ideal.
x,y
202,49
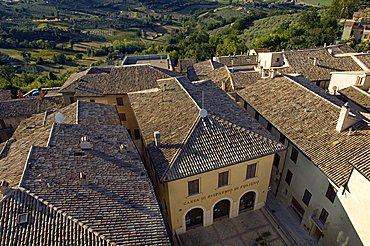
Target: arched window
x,y
247,201
194,218
221,209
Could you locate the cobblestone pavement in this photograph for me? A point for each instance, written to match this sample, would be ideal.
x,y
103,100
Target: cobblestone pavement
x,y
240,231
287,221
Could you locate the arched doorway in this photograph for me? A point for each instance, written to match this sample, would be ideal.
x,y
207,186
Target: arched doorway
x,y
247,201
221,209
194,218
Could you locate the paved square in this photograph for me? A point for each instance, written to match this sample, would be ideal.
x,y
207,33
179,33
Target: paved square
x,y
240,231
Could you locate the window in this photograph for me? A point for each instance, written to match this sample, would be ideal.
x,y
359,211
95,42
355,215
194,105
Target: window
x,y
193,187
276,160
288,177
122,117
323,216
257,115
331,193
223,179
306,197
282,138
72,99
92,100
269,126
294,155
251,171
136,134
119,101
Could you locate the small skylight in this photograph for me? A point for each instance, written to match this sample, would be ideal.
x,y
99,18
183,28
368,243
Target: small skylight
x,y
22,218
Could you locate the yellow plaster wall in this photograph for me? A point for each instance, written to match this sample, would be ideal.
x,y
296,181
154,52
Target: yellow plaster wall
x,y
178,202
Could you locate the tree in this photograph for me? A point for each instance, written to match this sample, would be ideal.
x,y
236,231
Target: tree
x,y
344,8
60,59
7,73
78,56
364,46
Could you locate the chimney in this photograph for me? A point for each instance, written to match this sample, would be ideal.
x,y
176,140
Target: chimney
x,y
123,147
330,50
272,73
4,187
345,120
85,143
82,178
324,45
157,139
315,61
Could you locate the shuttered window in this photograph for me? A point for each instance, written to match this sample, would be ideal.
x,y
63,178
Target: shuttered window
x,y
193,187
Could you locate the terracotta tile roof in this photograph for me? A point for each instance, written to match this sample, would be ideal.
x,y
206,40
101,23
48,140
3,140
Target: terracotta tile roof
x,y
357,95
221,76
202,69
44,220
29,106
362,163
117,200
237,60
185,63
71,83
5,95
120,80
302,62
241,80
308,120
365,59
219,103
116,205
175,114
35,131
218,144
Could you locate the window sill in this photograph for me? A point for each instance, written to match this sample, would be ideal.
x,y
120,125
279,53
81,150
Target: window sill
x,y
194,195
223,187
251,179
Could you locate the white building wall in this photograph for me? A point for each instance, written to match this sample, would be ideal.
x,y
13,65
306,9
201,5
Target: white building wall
x,y
356,201
343,80
339,229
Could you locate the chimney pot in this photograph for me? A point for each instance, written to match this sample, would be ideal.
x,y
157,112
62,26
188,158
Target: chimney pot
x,y
272,73
315,61
157,139
123,147
82,176
85,143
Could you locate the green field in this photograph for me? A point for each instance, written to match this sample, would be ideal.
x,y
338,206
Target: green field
x,y
316,2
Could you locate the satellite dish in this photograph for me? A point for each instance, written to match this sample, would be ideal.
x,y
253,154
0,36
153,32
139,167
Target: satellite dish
x,y
335,88
203,113
59,118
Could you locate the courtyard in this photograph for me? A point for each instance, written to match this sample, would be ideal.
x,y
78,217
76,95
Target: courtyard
x,y
244,230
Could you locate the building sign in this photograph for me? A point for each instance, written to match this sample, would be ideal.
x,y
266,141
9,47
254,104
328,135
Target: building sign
x,y
220,193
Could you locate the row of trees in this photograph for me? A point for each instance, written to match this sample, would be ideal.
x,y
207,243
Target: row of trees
x,y
10,79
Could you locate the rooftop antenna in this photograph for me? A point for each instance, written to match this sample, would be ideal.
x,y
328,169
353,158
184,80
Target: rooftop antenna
x,y
59,118
202,99
203,113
